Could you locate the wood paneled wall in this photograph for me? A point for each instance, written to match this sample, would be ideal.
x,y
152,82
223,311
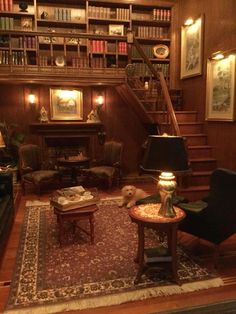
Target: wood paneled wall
x,y
119,121
219,34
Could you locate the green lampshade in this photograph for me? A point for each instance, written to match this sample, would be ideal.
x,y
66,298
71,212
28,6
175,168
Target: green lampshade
x,y
165,153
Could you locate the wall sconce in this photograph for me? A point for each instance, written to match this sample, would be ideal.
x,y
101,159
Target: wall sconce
x,y
32,98
219,55
189,21
98,102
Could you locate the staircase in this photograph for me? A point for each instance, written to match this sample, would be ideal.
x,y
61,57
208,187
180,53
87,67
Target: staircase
x,y
196,184
158,109
202,163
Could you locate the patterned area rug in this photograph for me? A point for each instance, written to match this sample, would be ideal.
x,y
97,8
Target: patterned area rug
x,y
49,278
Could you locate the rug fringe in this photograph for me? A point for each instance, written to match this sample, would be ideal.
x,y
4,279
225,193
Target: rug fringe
x,y
116,299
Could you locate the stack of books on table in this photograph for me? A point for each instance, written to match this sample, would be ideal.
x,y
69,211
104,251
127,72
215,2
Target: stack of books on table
x,y
74,198
156,254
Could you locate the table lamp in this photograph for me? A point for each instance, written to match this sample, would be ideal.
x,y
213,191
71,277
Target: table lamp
x,y
166,154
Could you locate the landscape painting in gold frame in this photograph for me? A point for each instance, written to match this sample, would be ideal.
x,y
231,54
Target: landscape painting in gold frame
x,y
66,104
191,49
220,90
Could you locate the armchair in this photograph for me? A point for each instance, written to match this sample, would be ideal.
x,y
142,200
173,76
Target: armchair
x,y
32,170
214,217
108,169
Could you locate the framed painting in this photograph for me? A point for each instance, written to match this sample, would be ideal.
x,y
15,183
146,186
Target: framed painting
x,y
66,104
116,30
220,90
191,49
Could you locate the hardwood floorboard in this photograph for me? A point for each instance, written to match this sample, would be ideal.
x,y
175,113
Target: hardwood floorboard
x,y
201,250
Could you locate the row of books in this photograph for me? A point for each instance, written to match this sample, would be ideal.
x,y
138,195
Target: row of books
x,y
6,22
148,50
152,32
6,5
80,62
23,42
141,69
17,57
161,14
103,46
61,14
108,13
98,62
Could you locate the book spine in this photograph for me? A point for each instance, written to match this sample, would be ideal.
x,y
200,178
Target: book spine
x,y
1,5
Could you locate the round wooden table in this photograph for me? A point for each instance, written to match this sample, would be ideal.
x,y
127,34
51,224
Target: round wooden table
x,y
147,216
75,164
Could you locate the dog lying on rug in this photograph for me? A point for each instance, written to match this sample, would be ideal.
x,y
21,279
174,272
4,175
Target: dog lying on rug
x,y
130,195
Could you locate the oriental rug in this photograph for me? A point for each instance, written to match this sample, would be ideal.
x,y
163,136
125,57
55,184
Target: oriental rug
x,y
49,278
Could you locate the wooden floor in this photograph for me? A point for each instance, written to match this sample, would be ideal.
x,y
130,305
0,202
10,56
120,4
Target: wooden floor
x,y
227,269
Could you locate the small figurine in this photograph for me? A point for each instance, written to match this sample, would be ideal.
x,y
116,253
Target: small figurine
x,y
93,116
43,115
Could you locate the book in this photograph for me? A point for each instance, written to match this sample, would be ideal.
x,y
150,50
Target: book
x,y
74,198
156,254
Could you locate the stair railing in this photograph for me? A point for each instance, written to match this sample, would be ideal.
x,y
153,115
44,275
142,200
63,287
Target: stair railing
x,y
159,76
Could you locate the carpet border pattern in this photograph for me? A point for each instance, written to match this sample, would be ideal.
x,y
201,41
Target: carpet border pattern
x,y
55,300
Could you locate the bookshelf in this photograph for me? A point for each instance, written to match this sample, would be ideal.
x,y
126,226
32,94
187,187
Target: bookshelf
x,y
88,34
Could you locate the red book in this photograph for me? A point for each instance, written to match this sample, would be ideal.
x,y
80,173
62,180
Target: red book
x,y
6,5
1,5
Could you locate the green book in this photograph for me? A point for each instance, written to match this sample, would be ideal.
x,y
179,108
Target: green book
x,y
156,254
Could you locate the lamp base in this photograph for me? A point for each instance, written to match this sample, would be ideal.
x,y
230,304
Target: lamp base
x,y
166,186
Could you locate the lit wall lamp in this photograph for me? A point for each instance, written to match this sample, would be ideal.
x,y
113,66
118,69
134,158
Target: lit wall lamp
x,y
98,102
189,21
32,98
219,55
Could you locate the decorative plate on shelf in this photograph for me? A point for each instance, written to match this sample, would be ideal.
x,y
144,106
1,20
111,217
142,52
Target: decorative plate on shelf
x,y
161,51
60,61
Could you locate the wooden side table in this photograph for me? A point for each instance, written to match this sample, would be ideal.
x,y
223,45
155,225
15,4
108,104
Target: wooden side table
x,y
147,216
74,216
74,164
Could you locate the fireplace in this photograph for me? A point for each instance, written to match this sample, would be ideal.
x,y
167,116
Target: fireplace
x,y
68,139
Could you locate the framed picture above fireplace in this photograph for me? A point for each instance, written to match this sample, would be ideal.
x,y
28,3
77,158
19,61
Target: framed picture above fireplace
x,y
66,104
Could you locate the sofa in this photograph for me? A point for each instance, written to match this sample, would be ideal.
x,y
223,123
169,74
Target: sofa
x,y
6,207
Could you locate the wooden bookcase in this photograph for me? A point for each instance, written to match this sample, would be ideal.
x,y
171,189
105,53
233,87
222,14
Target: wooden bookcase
x,y
91,34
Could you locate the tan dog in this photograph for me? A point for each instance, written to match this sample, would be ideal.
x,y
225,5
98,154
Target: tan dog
x,y
131,194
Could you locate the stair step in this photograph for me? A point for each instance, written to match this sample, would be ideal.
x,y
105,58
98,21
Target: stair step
x,y
188,127
199,178
199,151
195,139
194,193
181,116
202,164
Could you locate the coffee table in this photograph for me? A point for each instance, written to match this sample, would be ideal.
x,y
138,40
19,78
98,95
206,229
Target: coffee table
x,y
75,209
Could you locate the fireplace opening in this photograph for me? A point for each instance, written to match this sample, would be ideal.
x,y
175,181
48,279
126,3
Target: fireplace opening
x,y
58,147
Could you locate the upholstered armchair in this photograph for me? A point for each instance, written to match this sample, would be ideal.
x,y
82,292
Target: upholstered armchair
x,y
32,170
108,169
214,217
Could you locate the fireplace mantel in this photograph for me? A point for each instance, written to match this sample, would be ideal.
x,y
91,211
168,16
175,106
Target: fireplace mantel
x,y
59,128
61,134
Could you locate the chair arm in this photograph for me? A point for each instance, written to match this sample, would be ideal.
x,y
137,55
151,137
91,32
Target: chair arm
x,y
25,170
194,207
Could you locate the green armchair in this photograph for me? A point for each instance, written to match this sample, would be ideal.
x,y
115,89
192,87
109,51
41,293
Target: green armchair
x,y
214,217
108,169
32,170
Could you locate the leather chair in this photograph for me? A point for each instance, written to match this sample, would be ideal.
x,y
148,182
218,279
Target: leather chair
x,y
108,169
214,217
32,169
